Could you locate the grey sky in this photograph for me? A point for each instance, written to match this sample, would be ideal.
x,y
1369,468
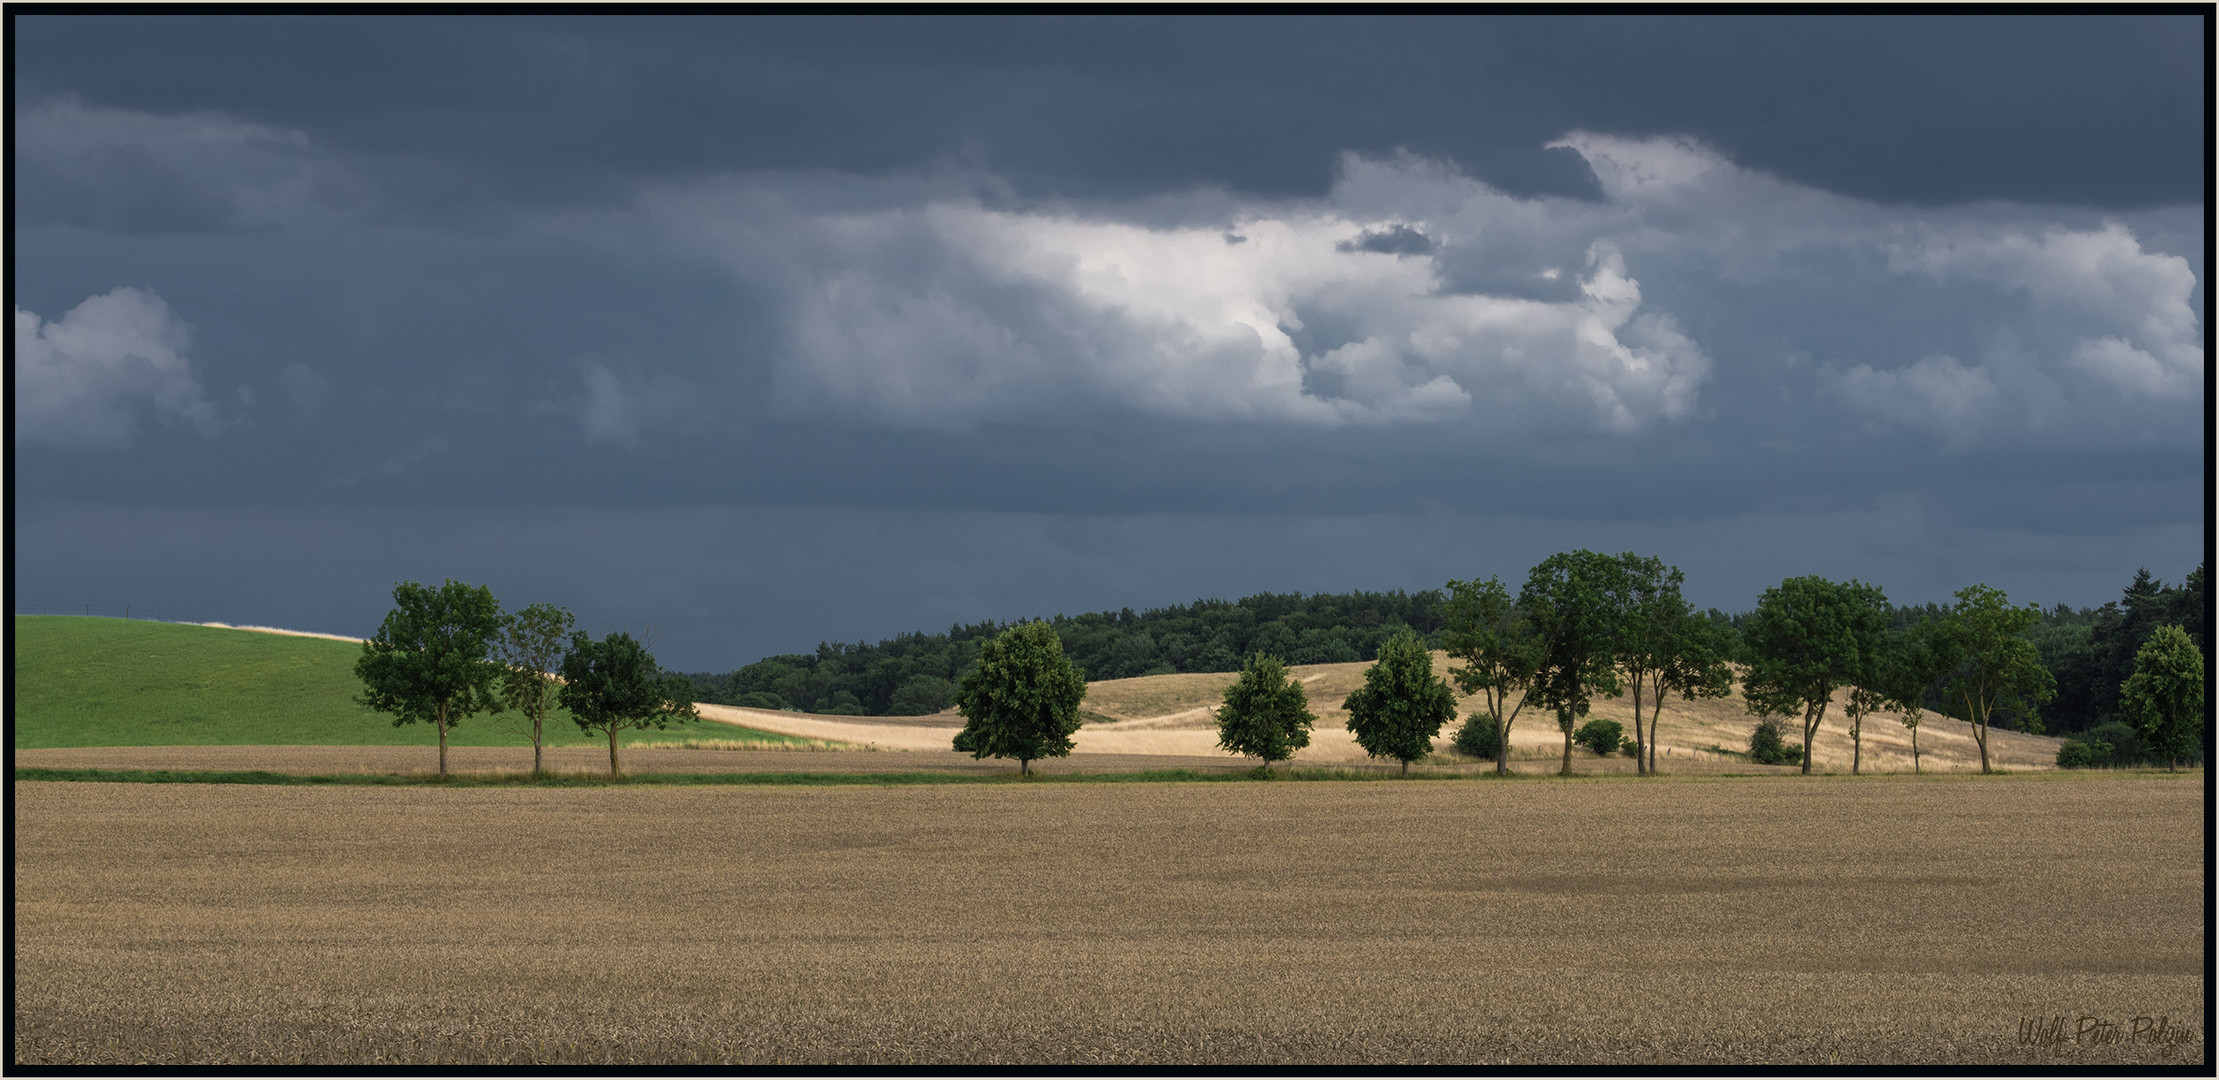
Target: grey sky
x,y
768,330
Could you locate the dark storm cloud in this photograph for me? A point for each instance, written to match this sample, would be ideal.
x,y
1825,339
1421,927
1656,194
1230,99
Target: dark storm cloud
x,y
845,327
462,112
1397,239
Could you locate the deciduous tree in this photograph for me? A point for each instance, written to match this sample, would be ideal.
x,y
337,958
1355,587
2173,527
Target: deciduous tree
x,y
1022,699
614,685
1498,648
1265,713
1696,666
530,648
1905,672
1576,602
1988,660
2164,698
1662,644
1808,638
1402,704
430,659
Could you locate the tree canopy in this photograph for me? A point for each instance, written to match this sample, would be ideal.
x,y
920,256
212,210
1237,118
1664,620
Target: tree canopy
x,y
1988,662
1576,601
1499,649
2165,696
1402,704
614,685
1022,699
1265,713
430,660
1808,638
530,648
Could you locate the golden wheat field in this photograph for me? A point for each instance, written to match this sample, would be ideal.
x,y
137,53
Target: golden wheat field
x,y
1876,920
1174,715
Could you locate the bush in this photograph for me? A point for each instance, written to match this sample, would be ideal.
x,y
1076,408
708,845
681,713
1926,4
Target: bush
x,y
1480,737
760,699
1601,736
2114,745
2075,755
1628,749
1766,747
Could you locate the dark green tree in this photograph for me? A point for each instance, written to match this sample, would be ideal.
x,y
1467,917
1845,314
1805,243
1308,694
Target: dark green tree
x,y
1484,629
1808,638
431,658
1265,713
1694,662
2164,698
1989,663
1022,700
1402,704
615,685
530,648
1664,645
1903,675
1576,602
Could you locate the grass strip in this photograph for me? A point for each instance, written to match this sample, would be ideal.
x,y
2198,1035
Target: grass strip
x,y
652,779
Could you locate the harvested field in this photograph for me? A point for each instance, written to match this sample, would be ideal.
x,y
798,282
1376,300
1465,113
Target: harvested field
x,y
1882,920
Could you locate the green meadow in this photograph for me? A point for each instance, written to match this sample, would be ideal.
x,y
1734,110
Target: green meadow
x,y
80,681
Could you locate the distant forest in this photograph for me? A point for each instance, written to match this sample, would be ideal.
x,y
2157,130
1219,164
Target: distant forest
x,y
914,674
2090,651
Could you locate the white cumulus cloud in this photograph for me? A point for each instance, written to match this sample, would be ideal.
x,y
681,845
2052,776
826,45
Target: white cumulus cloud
x,y
1410,293
953,312
83,380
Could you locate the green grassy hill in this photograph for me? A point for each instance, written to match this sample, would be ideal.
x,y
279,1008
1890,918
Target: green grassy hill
x,y
113,682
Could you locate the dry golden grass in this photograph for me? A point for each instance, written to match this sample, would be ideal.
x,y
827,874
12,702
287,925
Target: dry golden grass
x,y
1895,920
1688,728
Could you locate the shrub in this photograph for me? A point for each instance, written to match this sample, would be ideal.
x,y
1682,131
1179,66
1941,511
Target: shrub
x,y
1480,737
2074,755
1628,749
1601,736
1766,747
760,699
2122,745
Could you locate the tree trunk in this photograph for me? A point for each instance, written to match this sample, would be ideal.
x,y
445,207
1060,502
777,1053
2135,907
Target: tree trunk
x,y
538,720
1979,730
1502,738
1567,726
1914,749
1856,744
1024,767
439,714
613,771
1405,766
1653,714
1811,720
1640,755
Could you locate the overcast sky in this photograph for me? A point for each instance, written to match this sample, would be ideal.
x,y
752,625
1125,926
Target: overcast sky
x,y
764,331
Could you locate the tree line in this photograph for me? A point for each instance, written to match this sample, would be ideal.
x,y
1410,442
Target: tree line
x,y
2088,652
1585,624
443,655
916,674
